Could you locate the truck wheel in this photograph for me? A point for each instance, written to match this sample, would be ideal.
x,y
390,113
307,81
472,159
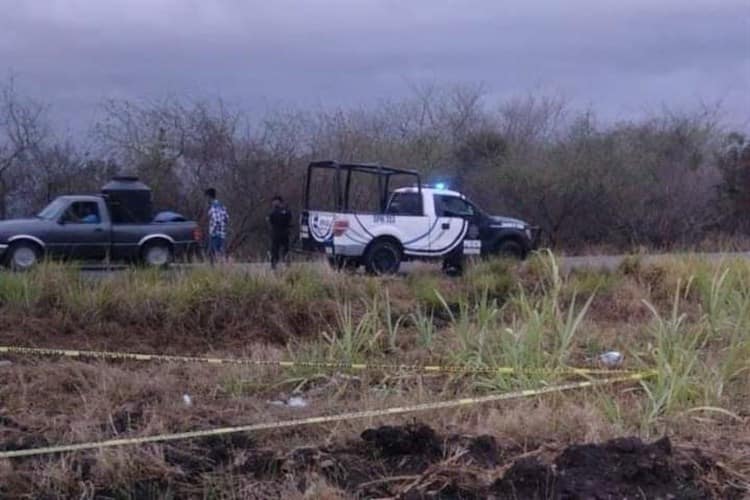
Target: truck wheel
x,y
23,256
383,257
157,254
510,249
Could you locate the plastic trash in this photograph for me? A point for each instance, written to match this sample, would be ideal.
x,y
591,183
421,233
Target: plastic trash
x,y
296,402
611,359
187,399
292,402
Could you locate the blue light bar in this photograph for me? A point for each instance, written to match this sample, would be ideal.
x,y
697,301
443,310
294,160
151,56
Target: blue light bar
x,y
440,185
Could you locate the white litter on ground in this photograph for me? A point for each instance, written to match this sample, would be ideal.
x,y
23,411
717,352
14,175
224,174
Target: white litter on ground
x,y
296,402
611,359
292,402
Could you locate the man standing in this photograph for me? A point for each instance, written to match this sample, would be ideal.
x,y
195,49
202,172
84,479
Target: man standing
x,y
218,222
280,220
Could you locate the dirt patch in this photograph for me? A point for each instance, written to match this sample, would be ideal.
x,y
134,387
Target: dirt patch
x,y
468,467
625,468
415,462
414,439
622,468
527,478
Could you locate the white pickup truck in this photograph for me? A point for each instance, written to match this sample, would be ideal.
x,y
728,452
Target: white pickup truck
x,y
413,222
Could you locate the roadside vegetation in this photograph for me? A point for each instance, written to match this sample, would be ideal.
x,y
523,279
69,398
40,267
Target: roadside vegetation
x,y
663,180
686,319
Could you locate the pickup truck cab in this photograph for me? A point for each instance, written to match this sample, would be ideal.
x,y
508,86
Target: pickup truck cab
x,y
414,222
81,228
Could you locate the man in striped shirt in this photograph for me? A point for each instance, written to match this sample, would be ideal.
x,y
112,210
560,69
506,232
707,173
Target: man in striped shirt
x,y
218,222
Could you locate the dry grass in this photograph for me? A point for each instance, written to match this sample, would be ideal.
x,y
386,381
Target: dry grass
x,y
686,317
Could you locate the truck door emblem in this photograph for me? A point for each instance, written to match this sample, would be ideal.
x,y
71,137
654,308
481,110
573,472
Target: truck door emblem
x,y
322,226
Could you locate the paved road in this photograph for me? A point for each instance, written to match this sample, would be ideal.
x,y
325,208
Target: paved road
x,y
609,262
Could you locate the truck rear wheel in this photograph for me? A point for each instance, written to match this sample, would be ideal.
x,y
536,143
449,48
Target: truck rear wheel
x,y
23,256
157,254
383,257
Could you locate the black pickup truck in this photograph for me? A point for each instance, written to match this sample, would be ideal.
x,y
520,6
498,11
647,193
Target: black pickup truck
x,y
116,226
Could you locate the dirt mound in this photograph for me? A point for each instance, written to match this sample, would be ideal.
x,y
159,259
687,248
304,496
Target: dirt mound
x,y
415,462
413,439
622,468
526,478
626,468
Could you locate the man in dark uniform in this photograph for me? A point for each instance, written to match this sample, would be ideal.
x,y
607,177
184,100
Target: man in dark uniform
x,y
280,220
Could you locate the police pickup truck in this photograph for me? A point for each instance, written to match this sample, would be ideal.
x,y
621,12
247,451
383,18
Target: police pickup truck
x,y
115,225
407,223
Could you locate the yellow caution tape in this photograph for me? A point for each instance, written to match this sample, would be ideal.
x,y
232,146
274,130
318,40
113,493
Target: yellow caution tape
x,y
306,364
322,419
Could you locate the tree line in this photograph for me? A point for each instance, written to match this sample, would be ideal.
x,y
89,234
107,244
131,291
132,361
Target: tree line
x,y
668,179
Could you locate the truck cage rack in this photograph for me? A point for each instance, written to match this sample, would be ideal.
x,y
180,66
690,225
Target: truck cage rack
x,y
383,172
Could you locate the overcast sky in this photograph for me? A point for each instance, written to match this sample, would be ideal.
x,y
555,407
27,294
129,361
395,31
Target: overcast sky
x,y
620,57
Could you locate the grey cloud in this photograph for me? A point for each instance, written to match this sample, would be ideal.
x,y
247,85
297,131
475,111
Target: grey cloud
x,y
618,57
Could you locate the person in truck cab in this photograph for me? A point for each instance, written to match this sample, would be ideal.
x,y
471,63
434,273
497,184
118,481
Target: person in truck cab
x,y
218,222
280,220
82,213
91,215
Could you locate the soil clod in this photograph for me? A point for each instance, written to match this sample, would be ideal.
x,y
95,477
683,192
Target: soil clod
x,y
526,478
412,439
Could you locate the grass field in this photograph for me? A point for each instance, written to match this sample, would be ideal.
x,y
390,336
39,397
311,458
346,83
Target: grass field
x,y
685,319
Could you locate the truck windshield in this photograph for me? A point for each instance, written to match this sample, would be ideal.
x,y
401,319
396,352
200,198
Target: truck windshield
x,y
53,210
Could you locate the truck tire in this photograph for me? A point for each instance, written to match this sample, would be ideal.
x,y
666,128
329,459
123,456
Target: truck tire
x,y
383,257
23,256
157,254
510,249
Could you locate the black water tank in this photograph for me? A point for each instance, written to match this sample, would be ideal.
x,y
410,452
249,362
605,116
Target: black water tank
x,y
129,200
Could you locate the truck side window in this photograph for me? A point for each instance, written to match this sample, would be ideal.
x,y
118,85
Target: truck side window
x,y
405,204
452,206
82,212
